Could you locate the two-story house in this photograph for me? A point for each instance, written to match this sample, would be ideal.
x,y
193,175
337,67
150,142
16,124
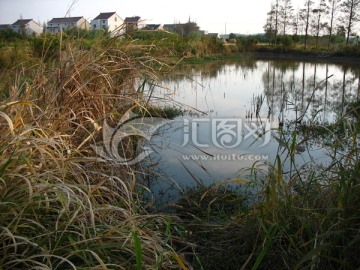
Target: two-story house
x,y
57,25
109,21
27,26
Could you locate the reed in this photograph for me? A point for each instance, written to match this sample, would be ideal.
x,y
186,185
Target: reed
x,y
285,216
61,207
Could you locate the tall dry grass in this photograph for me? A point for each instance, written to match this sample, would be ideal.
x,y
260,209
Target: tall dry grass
x,y
60,207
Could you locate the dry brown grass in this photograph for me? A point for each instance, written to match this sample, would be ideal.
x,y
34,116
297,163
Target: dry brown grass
x,y
60,206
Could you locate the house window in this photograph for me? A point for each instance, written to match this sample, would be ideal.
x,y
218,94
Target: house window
x,y
94,25
104,21
115,19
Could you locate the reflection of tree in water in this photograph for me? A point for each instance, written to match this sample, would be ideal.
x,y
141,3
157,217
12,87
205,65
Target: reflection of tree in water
x,y
209,70
292,89
320,88
201,76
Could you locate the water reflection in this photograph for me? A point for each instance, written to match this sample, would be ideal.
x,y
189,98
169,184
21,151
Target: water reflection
x,y
281,93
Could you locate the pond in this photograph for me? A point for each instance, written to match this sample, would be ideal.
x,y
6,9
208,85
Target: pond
x,y
236,114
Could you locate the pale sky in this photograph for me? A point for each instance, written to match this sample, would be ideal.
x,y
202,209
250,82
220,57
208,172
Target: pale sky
x,y
239,16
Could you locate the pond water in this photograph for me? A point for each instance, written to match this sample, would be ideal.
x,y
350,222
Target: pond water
x,y
234,110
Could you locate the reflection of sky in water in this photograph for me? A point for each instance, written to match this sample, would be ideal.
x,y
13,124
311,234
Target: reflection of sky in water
x,y
227,91
214,164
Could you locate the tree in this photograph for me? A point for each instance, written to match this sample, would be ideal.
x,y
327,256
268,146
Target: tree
x,y
269,26
317,23
232,36
306,17
272,22
331,10
341,31
286,11
44,27
296,23
350,10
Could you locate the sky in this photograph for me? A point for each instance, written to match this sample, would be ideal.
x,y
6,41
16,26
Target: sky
x,y
226,16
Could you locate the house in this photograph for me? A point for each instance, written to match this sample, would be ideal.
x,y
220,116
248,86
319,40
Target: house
x,y
27,26
5,26
57,25
153,27
169,27
109,21
225,36
216,35
133,23
184,29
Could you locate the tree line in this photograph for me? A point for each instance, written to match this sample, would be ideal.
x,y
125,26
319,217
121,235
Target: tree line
x,y
321,18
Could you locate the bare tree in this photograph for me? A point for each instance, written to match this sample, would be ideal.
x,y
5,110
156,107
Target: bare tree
x,y
350,10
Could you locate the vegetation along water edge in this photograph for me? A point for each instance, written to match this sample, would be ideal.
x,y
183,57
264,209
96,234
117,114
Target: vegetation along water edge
x,y
63,207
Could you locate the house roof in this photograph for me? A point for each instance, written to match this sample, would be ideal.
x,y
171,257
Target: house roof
x,y
5,26
105,15
65,20
152,26
169,27
22,22
134,19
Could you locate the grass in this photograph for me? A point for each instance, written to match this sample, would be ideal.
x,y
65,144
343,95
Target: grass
x,y
299,217
61,207
64,208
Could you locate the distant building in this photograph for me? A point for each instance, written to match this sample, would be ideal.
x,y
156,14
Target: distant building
x,y
153,27
214,35
5,26
133,23
27,26
169,27
184,29
109,21
57,25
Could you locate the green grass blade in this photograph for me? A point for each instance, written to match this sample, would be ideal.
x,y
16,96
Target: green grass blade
x,y
138,251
